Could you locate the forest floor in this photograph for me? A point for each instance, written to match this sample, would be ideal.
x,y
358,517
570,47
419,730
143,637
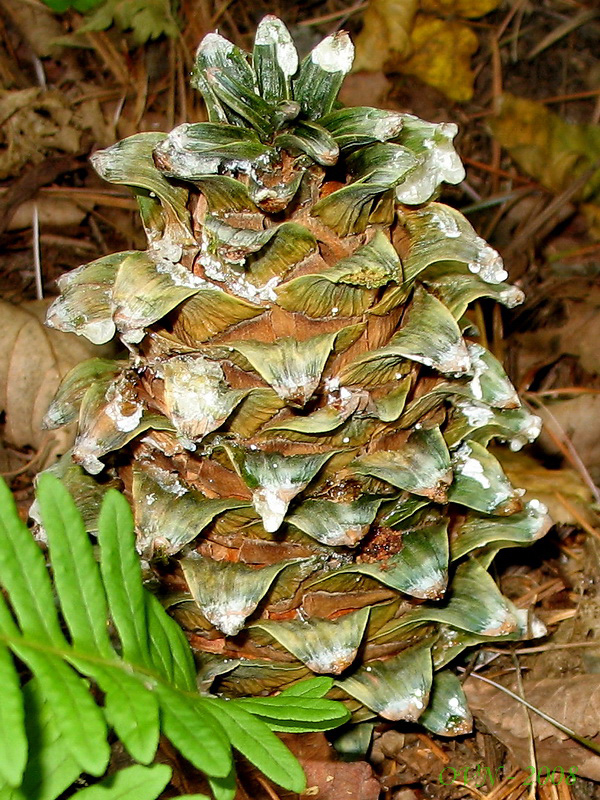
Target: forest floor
x,y
521,80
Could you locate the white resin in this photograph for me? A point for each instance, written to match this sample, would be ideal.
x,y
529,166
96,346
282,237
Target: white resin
x,y
214,43
488,263
334,54
97,332
511,297
115,411
528,433
447,224
479,367
332,660
386,127
470,467
272,502
196,395
409,709
539,508
439,163
272,31
477,414
236,282
228,614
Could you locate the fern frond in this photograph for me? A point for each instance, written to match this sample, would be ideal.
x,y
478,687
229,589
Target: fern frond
x,y
58,624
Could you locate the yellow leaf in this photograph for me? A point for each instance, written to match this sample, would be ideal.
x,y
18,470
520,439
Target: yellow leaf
x,y
385,35
442,51
591,212
459,8
552,151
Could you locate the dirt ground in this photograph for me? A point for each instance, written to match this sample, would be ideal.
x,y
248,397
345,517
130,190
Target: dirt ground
x,y
521,79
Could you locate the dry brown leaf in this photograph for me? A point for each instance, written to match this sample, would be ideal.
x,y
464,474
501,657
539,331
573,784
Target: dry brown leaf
x,y
38,24
34,122
365,89
578,418
544,484
53,212
573,701
577,336
33,360
326,777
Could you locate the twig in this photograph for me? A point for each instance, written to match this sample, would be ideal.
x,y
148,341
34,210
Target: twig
x,y
531,738
35,459
563,390
110,55
268,789
543,648
37,258
472,162
345,12
496,95
435,749
523,238
563,728
586,15
563,98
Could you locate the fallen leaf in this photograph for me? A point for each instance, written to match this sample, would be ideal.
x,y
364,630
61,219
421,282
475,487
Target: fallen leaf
x,y
385,35
38,24
552,151
577,335
441,56
435,45
543,484
33,360
365,89
573,701
53,212
471,9
578,418
34,123
591,213
327,778
336,780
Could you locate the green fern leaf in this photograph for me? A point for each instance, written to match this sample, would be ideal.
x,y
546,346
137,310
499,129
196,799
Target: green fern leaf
x,y
169,649
198,736
223,788
76,574
13,742
133,783
312,687
132,711
78,718
50,767
254,739
122,576
52,728
24,576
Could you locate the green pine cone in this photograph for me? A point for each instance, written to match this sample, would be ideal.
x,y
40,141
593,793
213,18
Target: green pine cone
x,y
302,425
